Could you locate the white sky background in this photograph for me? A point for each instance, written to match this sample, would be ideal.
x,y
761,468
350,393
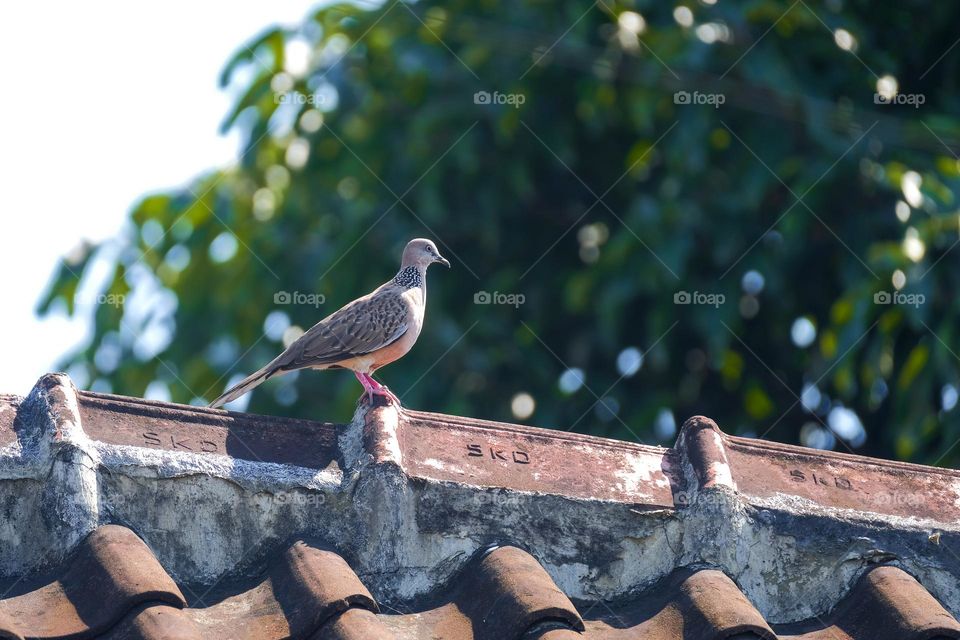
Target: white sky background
x,y
102,102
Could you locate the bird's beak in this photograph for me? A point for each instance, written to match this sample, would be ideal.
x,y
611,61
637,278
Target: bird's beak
x,y
443,261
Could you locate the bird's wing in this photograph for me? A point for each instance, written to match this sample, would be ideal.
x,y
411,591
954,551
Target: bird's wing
x,y
363,326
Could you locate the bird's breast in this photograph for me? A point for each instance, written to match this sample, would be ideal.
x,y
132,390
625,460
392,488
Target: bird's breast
x,y
414,299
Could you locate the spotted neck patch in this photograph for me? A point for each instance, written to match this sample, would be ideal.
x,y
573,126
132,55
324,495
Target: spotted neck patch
x,y
409,278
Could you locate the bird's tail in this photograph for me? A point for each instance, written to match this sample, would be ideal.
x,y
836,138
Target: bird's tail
x,y
242,387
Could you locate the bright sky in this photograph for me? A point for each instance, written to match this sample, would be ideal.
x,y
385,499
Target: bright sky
x,y
102,102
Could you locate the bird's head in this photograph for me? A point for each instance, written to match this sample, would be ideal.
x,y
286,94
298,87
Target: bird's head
x,y
422,253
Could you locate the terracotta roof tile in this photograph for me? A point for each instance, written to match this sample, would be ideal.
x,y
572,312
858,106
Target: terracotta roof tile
x,y
505,593
762,471
314,586
718,537
450,448
141,423
354,624
112,571
8,629
115,589
885,604
702,604
156,622
305,589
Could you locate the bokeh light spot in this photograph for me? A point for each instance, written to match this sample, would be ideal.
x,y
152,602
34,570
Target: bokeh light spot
x,y
803,332
629,361
522,405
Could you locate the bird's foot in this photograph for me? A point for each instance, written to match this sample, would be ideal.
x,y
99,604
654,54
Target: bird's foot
x,y
373,388
370,396
390,395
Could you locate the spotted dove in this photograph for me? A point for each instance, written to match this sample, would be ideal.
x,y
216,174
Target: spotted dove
x,y
364,335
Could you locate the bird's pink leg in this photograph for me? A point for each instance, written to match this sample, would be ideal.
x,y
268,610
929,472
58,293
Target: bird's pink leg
x,y
382,390
368,389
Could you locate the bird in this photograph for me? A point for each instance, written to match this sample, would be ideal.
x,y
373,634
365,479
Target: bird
x,y
363,335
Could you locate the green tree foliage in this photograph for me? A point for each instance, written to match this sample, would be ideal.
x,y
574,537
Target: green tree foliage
x,y
599,198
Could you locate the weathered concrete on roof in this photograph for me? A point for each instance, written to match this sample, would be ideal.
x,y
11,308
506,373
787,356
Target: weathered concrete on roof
x,y
410,497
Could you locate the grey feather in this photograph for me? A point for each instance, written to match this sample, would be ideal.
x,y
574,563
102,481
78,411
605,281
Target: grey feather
x,y
360,327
